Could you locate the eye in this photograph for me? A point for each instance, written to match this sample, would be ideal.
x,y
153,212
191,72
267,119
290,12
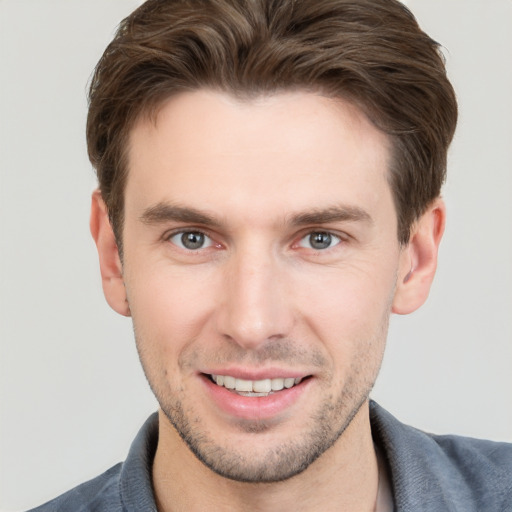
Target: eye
x,y
319,240
191,240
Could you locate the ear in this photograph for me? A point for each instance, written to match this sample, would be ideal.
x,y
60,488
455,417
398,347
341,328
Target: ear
x,y
110,262
418,261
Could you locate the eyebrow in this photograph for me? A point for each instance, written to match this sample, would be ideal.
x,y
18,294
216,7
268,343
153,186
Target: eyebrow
x,y
164,212
343,213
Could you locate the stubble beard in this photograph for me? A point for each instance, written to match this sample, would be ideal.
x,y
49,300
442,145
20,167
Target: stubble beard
x,y
285,460
280,461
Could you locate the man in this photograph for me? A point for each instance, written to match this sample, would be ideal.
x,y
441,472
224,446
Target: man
x,y
269,192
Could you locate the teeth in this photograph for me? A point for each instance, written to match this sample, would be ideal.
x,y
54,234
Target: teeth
x,y
288,383
229,382
243,385
277,384
255,387
262,386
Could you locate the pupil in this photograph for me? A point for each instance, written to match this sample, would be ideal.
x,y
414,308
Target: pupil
x,y
192,240
320,240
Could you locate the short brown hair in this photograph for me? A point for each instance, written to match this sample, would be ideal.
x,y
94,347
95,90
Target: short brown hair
x,y
371,52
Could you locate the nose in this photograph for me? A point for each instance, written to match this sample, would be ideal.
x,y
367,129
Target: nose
x,y
255,308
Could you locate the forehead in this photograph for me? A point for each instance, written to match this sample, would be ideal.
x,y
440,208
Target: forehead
x,y
291,149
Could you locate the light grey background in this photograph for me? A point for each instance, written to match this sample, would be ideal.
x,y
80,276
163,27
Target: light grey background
x,y
72,393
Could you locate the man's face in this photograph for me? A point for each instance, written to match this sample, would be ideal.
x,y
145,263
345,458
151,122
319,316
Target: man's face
x,y
260,245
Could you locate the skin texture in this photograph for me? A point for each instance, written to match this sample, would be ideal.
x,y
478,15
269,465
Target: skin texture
x,y
252,181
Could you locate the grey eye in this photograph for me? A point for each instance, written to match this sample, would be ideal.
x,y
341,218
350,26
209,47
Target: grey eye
x,y
191,240
319,240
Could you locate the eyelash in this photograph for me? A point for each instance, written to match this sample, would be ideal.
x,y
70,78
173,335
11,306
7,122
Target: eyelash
x,y
331,237
339,239
183,232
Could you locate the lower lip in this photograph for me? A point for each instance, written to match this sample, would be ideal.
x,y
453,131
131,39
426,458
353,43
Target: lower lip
x,y
258,407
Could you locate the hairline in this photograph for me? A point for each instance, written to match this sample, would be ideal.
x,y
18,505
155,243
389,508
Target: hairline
x,y
150,109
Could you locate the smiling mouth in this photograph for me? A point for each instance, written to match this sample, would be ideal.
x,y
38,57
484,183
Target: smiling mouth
x,y
255,388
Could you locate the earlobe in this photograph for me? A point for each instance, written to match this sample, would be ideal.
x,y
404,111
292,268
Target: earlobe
x,y
419,260
110,262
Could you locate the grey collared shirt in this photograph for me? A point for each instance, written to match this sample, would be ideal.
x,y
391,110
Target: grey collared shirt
x,y
427,473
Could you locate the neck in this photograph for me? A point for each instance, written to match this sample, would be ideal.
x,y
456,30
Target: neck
x,y
345,477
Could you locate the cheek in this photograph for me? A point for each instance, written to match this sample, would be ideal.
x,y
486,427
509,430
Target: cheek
x,y
352,324
348,308
169,307
168,317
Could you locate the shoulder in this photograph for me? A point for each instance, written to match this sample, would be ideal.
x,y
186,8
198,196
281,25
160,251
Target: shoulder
x,y
473,472
470,452
125,487
99,494
435,471
486,466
